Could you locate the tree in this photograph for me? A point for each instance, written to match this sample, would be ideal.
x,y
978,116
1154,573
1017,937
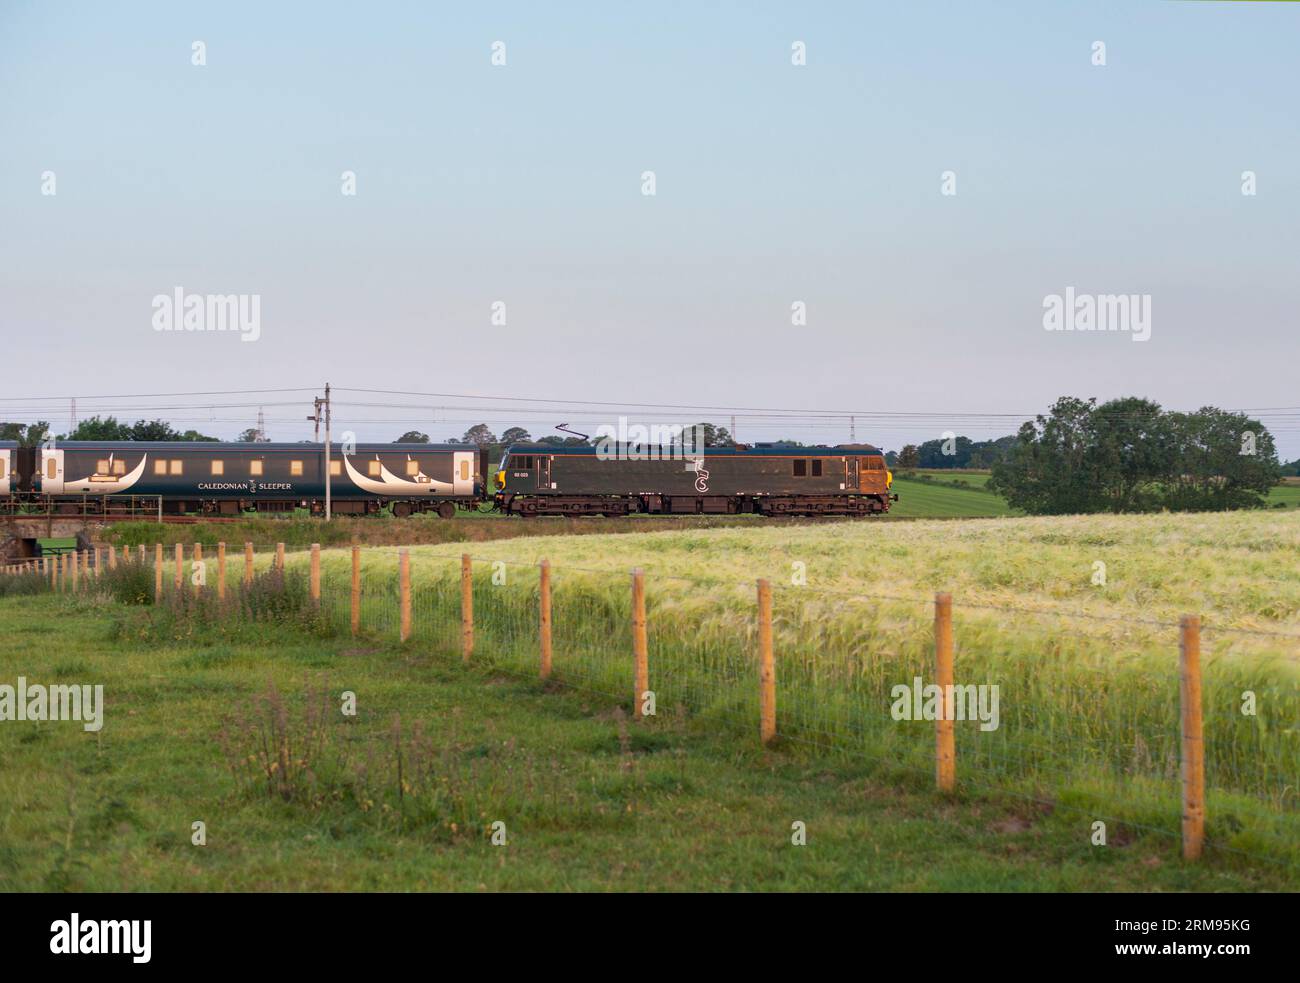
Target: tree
x,y
250,436
96,428
716,436
1047,471
479,434
1128,455
1131,453
515,435
908,458
1223,461
27,435
412,437
553,441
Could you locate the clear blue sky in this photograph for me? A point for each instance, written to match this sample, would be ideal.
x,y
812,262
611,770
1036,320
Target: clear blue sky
x,y
775,184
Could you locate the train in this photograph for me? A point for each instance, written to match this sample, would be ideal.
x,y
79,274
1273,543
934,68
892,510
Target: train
x,y
230,479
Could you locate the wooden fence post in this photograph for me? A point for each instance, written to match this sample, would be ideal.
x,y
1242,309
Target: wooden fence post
x,y
157,572
766,665
544,614
126,554
1193,738
315,573
248,563
279,556
198,559
112,558
76,563
640,646
356,589
180,566
466,607
945,755
404,588
221,571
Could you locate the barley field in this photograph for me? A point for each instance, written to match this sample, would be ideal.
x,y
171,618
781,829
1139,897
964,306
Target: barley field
x,y
1075,620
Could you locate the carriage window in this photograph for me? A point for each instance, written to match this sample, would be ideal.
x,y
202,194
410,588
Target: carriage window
x,y
177,467
373,468
412,468
336,468
218,467
119,467
464,470
159,466
800,468
295,468
255,468
101,467
817,469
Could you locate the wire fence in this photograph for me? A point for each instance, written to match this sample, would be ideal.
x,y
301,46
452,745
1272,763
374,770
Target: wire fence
x,y
1064,710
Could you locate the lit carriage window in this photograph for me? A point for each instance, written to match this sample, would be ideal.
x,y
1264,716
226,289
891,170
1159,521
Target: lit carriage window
x,y
295,468
255,468
336,468
159,466
800,468
101,467
817,468
177,467
412,468
464,470
218,467
373,468
119,467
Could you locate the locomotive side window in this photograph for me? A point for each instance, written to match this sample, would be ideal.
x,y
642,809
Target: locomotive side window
x,y
295,468
875,464
816,468
159,466
522,462
255,468
177,467
800,468
372,468
218,467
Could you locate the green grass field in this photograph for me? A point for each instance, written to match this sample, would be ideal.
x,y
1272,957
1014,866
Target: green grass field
x,y
589,799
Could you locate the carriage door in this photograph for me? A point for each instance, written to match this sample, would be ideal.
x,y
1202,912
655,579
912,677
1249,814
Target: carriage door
x,y
462,478
850,474
544,473
51,472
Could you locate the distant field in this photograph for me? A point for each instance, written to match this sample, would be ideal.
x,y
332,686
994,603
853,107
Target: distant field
x,y
942,498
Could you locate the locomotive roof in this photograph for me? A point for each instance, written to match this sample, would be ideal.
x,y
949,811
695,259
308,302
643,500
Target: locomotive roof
x,y
777,450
